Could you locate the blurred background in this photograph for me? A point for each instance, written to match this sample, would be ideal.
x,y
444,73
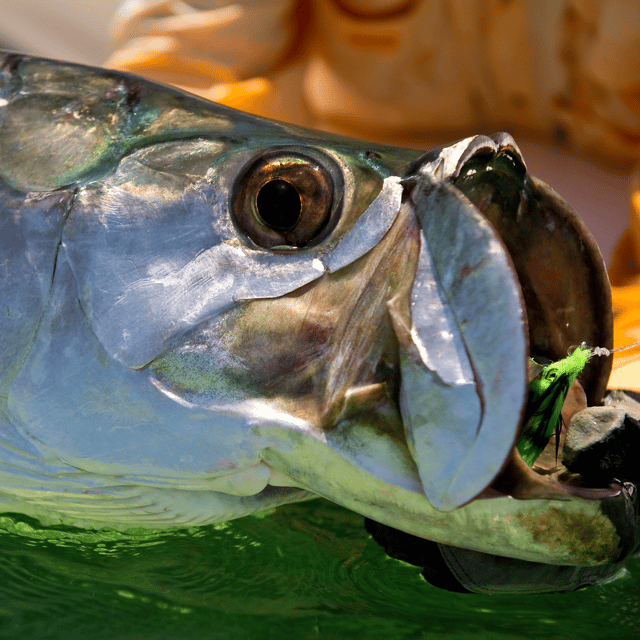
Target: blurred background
x,y
70,29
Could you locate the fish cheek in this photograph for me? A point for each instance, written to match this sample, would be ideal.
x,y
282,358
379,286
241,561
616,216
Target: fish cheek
x,y
306,352
279,346
332,338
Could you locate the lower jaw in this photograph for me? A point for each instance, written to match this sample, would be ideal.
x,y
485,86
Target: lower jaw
x,y
523,515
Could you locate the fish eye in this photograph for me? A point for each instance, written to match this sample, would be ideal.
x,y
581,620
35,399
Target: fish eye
x,y
284,201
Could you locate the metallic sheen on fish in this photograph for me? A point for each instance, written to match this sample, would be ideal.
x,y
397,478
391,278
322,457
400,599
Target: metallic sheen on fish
x,y
206,314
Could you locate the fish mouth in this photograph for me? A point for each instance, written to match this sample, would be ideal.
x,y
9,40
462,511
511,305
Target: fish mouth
x,y
489,250
453,473
567,300
480,307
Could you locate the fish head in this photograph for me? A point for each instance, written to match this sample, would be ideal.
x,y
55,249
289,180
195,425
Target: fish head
x,y
241,313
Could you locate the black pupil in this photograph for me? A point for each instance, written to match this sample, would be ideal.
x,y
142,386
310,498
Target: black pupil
x,y
279,205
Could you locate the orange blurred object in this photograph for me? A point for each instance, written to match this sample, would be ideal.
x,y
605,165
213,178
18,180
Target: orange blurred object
x,y
624,274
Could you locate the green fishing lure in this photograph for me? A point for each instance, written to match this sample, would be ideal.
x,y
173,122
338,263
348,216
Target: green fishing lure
x,y
547,394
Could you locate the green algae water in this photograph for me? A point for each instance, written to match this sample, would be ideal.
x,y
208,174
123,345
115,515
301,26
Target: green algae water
x,y
302,571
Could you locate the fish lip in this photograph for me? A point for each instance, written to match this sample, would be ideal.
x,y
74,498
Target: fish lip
x,y
521,482
447,161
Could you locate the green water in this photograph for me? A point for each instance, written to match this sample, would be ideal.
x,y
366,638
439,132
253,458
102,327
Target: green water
x,y
302,571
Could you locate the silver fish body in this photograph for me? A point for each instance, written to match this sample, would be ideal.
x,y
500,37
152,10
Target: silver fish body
x,y
205,314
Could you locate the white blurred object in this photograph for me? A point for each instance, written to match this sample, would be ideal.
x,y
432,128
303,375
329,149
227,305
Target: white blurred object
x,y
246,38
73,30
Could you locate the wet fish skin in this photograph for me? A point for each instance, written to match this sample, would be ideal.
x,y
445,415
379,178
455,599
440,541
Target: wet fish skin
x,y
163,369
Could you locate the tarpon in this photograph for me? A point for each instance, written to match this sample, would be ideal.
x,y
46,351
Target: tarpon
x,y
206,314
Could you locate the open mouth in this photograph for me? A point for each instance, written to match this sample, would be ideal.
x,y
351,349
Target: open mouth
x,y
566,295
558,264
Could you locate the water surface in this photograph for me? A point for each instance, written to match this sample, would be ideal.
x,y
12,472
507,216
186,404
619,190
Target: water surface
x,y
302,571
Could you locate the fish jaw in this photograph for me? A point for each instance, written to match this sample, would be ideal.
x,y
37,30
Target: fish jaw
x,y
549,528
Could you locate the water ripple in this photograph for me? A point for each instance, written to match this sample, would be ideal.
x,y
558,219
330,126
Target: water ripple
x,y
307,570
